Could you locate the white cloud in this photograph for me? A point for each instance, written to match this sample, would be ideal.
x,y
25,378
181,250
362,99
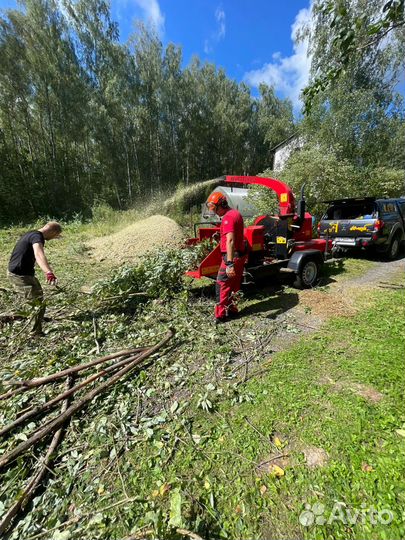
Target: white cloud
x,y
287,74
220,17
152,14
207,47
219,32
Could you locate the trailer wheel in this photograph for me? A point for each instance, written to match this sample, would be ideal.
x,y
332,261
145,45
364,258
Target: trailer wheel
x,y
308,274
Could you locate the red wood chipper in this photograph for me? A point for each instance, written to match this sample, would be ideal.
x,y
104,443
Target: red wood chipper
x,y
280,243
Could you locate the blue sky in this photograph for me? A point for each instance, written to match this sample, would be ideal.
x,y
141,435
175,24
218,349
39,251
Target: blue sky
x,y
252,40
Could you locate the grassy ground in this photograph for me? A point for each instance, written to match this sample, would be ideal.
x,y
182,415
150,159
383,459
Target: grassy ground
x,y
341,390
218,435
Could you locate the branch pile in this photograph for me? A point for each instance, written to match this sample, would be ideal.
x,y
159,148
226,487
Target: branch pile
x,y
127,362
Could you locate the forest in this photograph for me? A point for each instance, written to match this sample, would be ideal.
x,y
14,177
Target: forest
x,y
86,119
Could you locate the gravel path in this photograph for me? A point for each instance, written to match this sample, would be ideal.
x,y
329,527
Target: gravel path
x,y
382,272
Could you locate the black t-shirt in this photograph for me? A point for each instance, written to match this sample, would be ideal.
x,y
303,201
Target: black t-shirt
x,y
22,259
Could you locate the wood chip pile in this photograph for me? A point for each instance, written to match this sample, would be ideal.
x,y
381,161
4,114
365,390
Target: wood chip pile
x,y
131,243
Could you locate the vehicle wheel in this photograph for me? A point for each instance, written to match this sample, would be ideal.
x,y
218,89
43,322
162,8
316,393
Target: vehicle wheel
x,y
307,275
394,247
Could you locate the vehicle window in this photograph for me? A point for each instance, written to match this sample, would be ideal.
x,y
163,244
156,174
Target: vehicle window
x,y
388,208
401,205
366,210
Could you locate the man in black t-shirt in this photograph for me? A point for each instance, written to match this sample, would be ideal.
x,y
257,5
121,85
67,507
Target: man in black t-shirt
x,y
21,272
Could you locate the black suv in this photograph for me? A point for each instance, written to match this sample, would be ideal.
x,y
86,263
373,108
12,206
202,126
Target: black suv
x,y
364,223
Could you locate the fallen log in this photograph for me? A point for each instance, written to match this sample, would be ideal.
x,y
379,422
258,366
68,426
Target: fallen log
x,y
29,491
77,406
33,383
49,404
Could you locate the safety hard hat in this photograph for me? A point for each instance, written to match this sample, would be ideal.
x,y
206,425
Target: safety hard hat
x,y
217,199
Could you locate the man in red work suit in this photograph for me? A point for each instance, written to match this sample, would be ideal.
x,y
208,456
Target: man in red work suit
x,y
233,252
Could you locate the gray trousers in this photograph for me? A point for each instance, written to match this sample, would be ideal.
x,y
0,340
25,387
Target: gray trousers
x,y
30,288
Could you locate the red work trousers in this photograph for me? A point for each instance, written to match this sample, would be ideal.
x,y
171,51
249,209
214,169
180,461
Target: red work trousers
x,y
226,287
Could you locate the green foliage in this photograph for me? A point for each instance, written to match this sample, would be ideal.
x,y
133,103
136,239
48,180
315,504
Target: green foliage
x,y
361,125
86,119
102,212
262,198
387,182
160,450
354,125
328,176
158,275
252,505
274,121
347,36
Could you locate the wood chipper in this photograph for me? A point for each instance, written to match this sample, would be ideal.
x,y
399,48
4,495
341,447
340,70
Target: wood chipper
x,y
279,243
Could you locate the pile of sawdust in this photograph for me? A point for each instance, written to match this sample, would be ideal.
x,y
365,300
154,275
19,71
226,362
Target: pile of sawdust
x,y
367,392
329,304
133,242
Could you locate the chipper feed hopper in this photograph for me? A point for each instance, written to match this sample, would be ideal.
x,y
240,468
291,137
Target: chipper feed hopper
x,y
279,243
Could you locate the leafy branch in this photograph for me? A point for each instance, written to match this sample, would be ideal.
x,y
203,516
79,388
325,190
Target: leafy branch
x,y
348,39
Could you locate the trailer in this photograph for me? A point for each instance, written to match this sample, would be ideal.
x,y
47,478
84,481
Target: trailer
x,y
281,243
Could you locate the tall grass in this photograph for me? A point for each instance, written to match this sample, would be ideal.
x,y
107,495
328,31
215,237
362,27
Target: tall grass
x,y
183,206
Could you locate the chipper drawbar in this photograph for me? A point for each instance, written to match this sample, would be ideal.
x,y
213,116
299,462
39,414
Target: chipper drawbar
x,y
280,243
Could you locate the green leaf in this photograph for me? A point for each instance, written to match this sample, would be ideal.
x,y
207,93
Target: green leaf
x,y
174,407
97,518
175,508
61,535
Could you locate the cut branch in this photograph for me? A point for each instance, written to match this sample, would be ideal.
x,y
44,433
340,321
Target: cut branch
x,y
37,478
33,383
380,36
77,406
49,404
190,534
10,317
124,296
149,532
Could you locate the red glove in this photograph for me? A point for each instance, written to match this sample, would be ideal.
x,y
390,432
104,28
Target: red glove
x,y
51,278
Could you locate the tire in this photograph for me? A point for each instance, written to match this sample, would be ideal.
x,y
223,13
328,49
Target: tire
x,y
308,275
394,248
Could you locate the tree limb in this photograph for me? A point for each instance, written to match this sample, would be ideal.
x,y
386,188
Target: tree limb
x,y
59,420
37,478
26,385
49,404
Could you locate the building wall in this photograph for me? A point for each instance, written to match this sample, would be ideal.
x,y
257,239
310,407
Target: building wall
x,y
283,152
